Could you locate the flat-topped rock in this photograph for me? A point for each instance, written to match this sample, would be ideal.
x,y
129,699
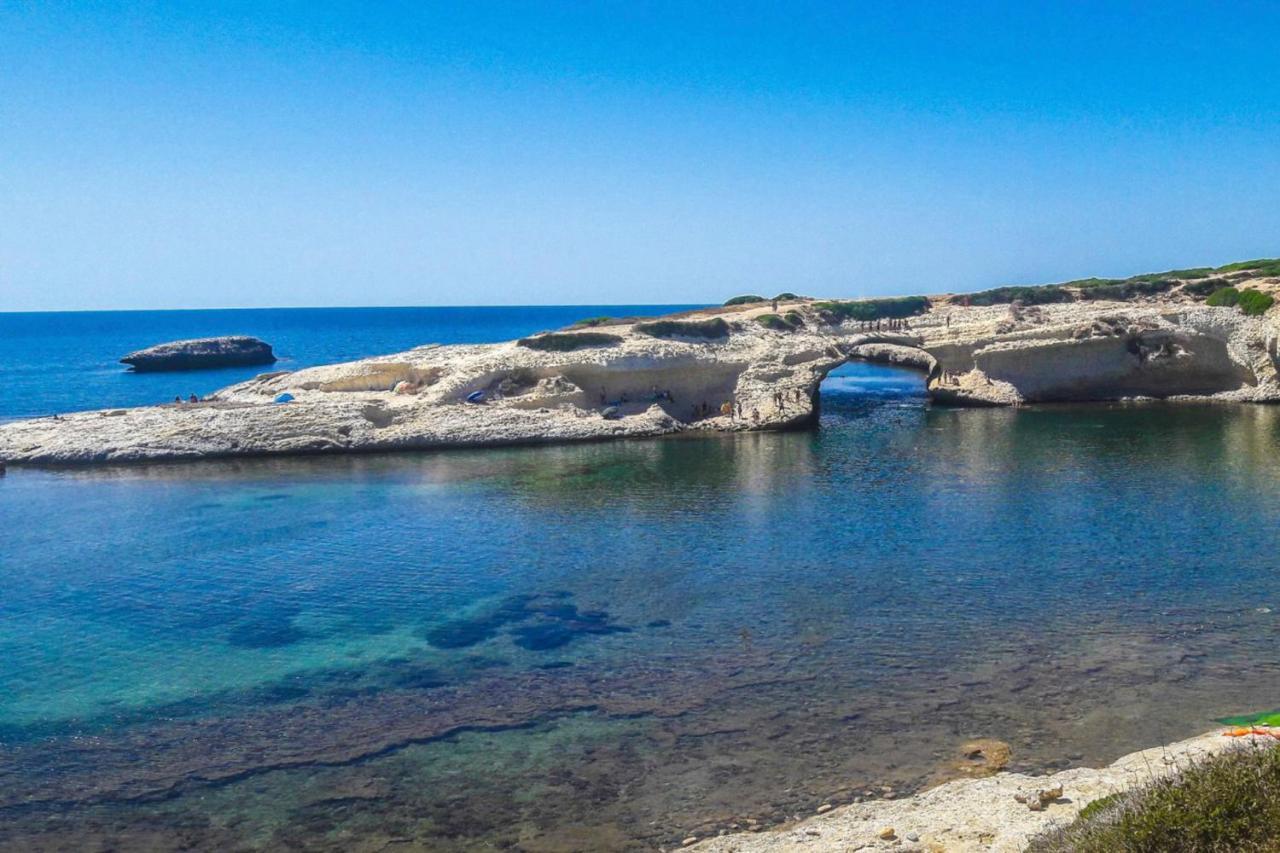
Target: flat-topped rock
x,y
201,353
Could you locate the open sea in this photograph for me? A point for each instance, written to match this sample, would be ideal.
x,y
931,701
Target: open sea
x,y
600,646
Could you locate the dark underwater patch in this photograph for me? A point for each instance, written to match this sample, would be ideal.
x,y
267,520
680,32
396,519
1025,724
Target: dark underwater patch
x,y
271,631
557,623
462,633
659,623
543,637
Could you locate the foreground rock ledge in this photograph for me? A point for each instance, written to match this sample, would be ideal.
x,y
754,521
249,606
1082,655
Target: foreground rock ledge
x,y
724,369
972,814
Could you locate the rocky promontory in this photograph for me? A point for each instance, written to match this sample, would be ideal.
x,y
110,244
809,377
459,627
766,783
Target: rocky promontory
x,y
201,354
1186,334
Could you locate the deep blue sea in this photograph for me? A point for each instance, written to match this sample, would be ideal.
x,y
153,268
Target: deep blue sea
x,y
65,361
606,646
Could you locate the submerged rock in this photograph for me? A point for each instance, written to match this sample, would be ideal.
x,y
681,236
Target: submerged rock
x,y
201,353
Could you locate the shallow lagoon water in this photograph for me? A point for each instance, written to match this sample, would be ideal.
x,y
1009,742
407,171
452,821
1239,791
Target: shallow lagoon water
x,y
614,646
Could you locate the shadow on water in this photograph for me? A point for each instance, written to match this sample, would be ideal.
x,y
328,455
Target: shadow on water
x,y
612,646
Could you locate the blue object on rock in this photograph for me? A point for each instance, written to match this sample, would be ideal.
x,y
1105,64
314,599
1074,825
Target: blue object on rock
x,y
475,397
284,398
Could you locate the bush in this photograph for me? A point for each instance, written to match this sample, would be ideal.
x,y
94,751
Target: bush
x,y
1223,297
713,328
567,342
745,300
592,321
1091,282
1041,295
1261,266
872,309
1127,289
789,322
1228,802
1205,287
1194,272
1255,302
786,295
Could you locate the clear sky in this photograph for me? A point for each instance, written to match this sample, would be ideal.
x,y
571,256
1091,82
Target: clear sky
x,y
377,153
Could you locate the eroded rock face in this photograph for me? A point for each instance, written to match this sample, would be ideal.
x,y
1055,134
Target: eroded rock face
x,y
201,353
631,383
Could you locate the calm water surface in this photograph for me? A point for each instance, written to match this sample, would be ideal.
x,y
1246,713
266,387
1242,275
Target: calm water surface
x,y
614,646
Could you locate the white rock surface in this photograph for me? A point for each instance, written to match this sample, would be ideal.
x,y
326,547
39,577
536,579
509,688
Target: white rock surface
x,y
752,379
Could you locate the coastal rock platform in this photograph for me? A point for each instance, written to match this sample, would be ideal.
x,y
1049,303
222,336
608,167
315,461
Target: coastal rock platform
x,y
725,369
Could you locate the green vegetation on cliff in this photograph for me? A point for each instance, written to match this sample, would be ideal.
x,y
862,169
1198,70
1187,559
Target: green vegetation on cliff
x,y
749,299
588,322
713,328
788,322
872,309
1228,802
1255,302
1030,295
1123,289
1251,302
568,341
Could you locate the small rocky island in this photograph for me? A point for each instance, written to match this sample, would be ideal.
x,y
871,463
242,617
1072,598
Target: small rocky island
x,y
201,354
1205,333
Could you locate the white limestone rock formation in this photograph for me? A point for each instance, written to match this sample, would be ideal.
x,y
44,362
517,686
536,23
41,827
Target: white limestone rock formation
x,y
735,368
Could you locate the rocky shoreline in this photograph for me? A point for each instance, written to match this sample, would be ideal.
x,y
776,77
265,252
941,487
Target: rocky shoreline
x,y
997,814
737,368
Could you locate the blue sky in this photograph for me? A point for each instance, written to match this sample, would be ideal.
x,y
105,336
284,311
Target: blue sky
x,y
310,153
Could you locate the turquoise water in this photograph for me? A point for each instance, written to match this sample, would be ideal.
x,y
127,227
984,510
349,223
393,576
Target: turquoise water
x,y
614,646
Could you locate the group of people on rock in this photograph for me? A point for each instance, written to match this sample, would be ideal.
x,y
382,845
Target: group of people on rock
x,y
890,325
654,395
178,401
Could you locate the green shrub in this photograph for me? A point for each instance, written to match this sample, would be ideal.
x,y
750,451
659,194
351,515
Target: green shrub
x,y
1255,302
1194,272
1228,802
567,342
592,321
1204,287
872,309
786,295
1039,295
786,323
1223,297
1261,266
1091,282
745,300
1127,289
713,328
